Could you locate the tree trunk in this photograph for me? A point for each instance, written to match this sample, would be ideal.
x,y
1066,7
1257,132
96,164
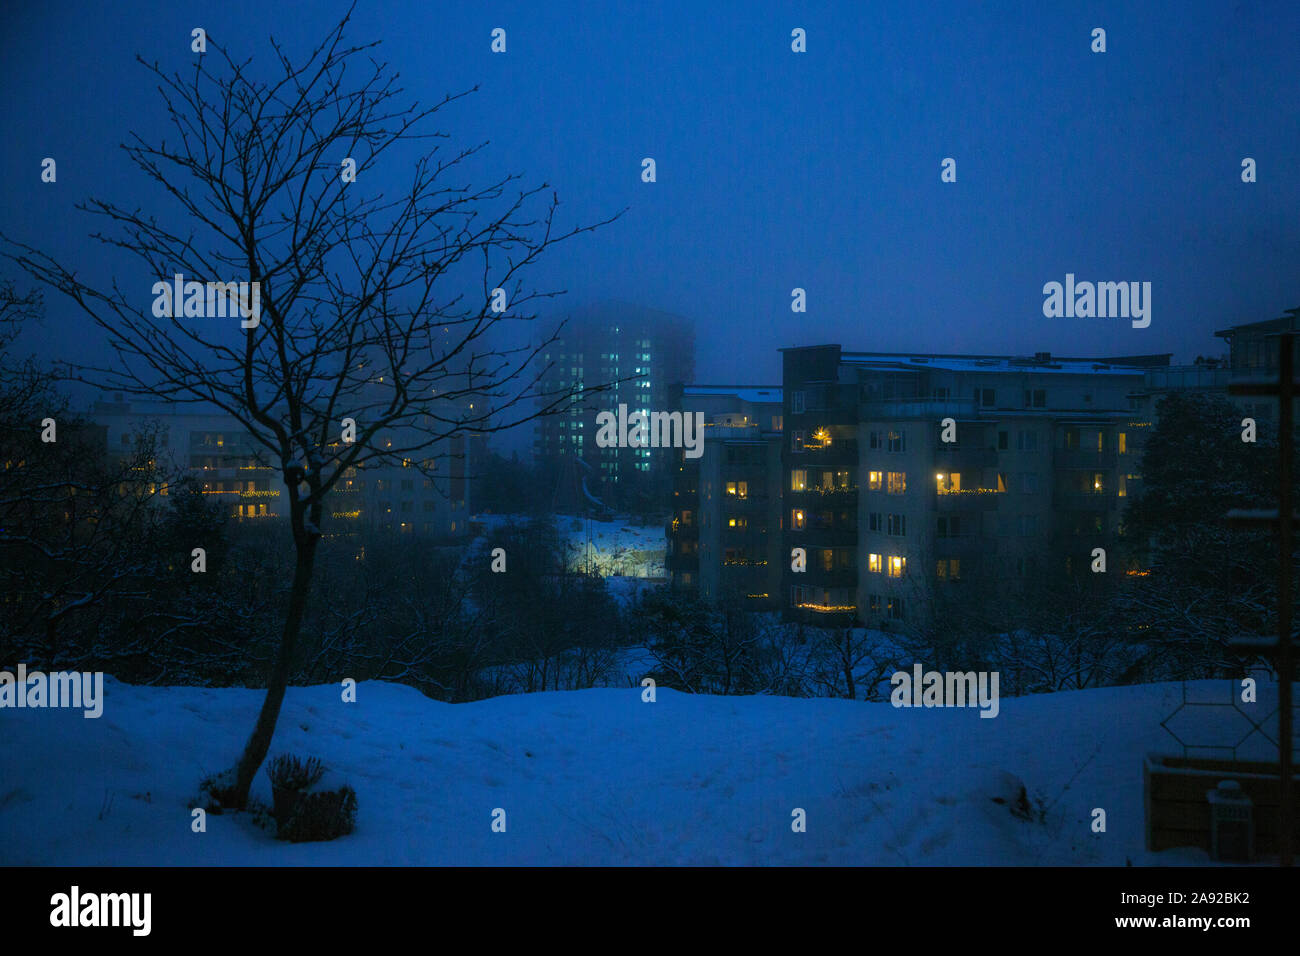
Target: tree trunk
x,y
260,742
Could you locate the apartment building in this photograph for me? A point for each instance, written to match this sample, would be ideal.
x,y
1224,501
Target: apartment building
x,y
724,536
228,464
906,472
640,353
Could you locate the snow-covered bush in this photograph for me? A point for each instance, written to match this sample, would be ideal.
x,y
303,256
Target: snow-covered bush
x,y
310,804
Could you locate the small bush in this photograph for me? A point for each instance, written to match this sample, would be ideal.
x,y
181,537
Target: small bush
x,y
320,815
215,792
287,772
308,804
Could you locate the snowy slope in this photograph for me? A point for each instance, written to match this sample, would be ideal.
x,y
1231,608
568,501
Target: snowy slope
x,y
614,547
593,777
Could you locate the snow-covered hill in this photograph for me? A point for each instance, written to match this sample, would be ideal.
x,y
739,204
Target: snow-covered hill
x,y
594,777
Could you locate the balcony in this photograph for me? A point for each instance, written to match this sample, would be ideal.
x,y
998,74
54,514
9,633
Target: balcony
x,y
839,450
835,578
1085,501
747,503
1088,458
962,546
918,408
675,529
977,499
810,496
823,537
962,460
821,614
682,562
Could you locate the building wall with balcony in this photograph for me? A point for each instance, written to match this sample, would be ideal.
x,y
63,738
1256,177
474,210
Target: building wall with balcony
x,y
723,536
1026,467
230,466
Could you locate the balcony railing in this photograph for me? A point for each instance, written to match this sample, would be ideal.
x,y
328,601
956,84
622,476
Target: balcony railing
x,y
834,578
917,408
815,536
818,493
960,546
950,458
977,499
1086,458
1086,501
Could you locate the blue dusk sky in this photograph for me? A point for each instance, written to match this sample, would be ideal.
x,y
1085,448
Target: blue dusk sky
x,y
775,169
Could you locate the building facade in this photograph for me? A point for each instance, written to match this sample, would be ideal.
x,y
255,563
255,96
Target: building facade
x,y
227,464
639,354
903,473
724,535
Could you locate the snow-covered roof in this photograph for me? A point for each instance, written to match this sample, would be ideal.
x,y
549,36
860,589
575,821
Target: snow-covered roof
x,y
991,364
747,393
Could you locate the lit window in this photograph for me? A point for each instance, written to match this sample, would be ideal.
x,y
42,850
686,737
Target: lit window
x,y
797,520
874,563
874,480
799,479
897,483
897,566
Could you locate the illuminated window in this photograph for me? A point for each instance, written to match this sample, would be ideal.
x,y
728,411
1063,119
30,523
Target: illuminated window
x,y
828,559
1123,443
897,566
875,563
874,480
948,483
897,483
797,520
799,479
738,523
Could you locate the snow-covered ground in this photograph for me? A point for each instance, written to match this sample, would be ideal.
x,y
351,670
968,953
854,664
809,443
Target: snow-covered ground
x,y
595,777
615,547
612,548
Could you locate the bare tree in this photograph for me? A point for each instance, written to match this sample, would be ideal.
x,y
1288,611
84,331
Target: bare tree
x,y
373,308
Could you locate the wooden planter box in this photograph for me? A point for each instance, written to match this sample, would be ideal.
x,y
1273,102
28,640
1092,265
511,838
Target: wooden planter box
x,y
1177,813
